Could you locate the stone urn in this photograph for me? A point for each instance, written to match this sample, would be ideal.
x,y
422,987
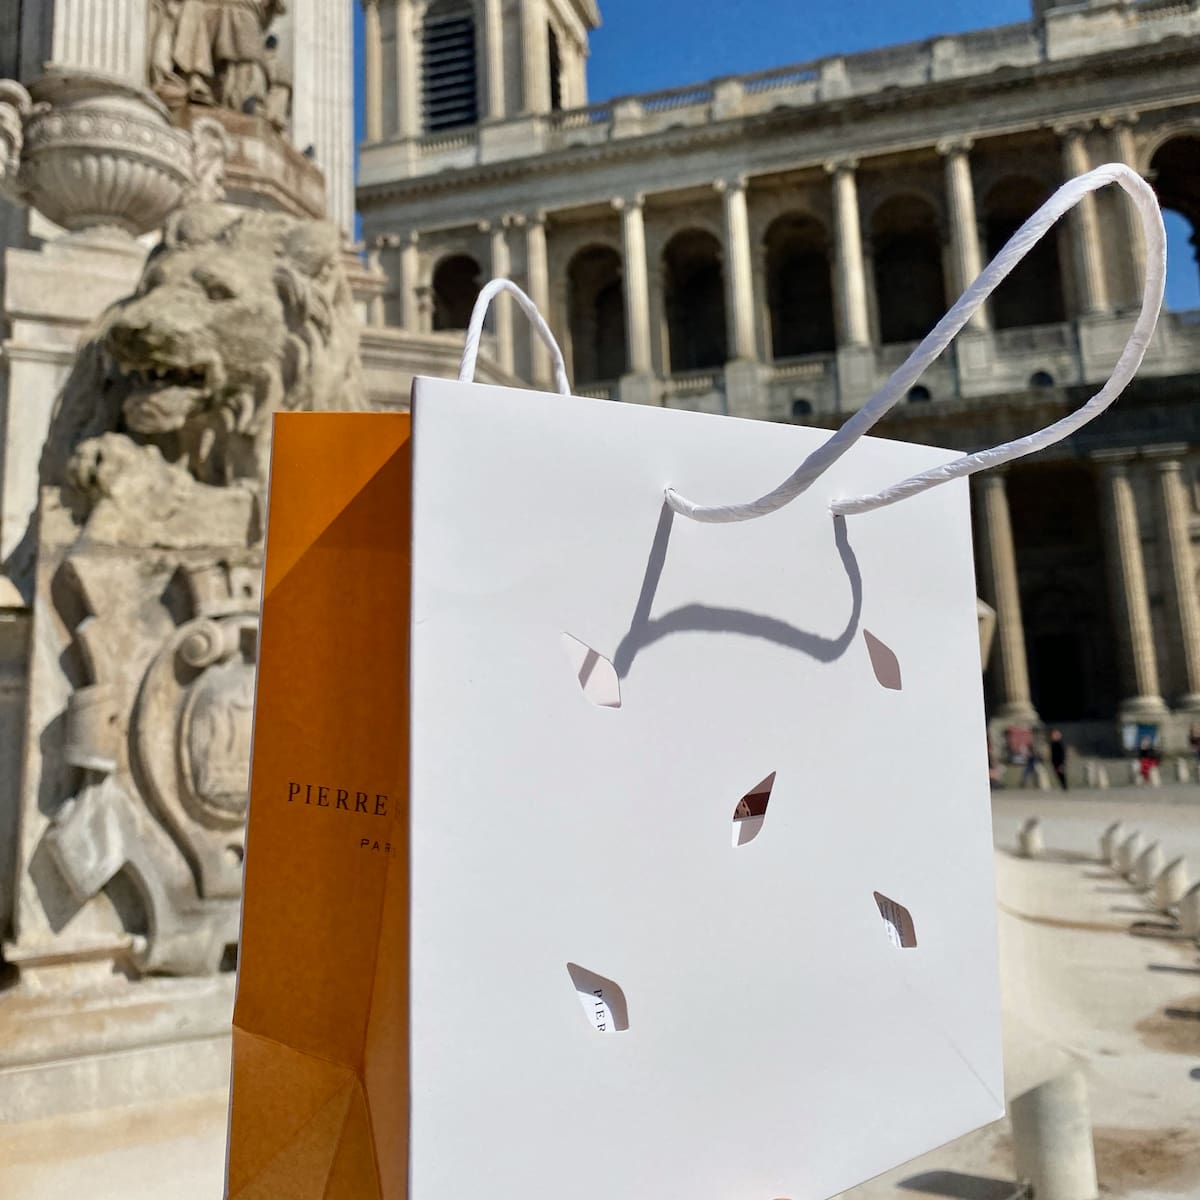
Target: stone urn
x,y
100,153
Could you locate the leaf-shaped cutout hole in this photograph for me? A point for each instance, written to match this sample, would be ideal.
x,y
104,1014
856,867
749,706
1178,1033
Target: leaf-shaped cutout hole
x,y
597,676
603,1001
751,811
900,929
883,661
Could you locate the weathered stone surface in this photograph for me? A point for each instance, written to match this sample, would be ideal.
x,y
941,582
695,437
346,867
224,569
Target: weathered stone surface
x,y
145,587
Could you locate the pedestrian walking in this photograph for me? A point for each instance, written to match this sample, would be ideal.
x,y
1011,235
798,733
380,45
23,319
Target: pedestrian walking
x,y
1058,756
1029,772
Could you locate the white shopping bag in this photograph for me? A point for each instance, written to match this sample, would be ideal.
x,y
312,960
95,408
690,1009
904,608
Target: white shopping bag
x,y
681,880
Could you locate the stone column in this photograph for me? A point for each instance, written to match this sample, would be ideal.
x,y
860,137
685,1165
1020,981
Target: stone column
x,y
637,284
409,122
1124,150
493,32
739,277
376,316
502,304
410,265
999,562
373,54
1127,572
854,327
1085,228
1179,571
964,225
535,57
96,35
538,281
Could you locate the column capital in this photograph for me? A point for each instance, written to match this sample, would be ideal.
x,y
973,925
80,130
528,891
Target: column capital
x,y
621,203
950,146
483,225
732,183
1117,120
538,216
1166,457
1073,131
515,220
369,4
839,166
1113,462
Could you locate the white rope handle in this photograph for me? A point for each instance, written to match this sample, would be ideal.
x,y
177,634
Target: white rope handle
x,y
466,370
940,337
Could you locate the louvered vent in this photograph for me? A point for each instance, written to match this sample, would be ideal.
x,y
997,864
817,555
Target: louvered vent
x,y
450,93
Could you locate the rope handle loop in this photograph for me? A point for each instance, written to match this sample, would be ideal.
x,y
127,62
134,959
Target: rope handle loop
x,y
466,370
939,338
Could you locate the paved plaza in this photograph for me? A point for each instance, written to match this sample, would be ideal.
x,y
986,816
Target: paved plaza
x,y
1079,992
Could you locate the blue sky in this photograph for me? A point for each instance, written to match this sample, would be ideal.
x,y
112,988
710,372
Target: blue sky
x,y
644,46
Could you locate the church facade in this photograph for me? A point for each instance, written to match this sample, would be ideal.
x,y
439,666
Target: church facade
x,y
773,245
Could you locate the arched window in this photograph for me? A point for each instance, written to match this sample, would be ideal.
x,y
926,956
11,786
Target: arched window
x,y
1175,170
801,409
907,251
919,394
694,291
449,74
1032,294
799,287
597,315
455,286
1041,379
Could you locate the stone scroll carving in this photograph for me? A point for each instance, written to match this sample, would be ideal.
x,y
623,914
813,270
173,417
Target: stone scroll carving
x,y
146,588
217,52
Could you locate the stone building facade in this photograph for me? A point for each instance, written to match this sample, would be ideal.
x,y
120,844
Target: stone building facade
x,y
772,245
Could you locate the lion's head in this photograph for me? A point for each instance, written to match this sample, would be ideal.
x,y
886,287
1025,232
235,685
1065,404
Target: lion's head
x,y
236,315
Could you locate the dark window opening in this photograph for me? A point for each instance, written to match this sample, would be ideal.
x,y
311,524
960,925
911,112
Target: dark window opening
x,y
695,301
555,71
799,288
907,253
455,287
597,315
1033,293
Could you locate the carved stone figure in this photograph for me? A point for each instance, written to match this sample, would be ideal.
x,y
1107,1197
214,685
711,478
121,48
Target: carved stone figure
x,y
212,51
279,86
146,586
15,105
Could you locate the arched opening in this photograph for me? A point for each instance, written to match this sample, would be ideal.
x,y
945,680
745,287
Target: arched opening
x,y
455,286
919,394
1041,379
910,291
801,409
799,287
694,293
1033,293
597,315
1175,170
449,66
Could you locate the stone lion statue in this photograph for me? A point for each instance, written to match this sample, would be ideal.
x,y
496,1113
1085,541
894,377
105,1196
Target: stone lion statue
x,y
237,315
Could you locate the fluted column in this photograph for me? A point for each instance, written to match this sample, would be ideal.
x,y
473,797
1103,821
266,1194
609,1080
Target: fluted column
x,y
1179,572
95,35
637,284
410,266
537,268
1127,572
502,304
493,18
964,224
373,55
408,71
535,57
739,276
854,326
1124,150
999,562
1085,228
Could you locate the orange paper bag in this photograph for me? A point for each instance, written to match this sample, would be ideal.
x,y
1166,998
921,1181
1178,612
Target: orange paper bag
x,y
319,1105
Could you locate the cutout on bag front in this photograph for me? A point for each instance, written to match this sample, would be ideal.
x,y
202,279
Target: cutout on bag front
x,y
597,676
884,662
751,811
603,1001
900,929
